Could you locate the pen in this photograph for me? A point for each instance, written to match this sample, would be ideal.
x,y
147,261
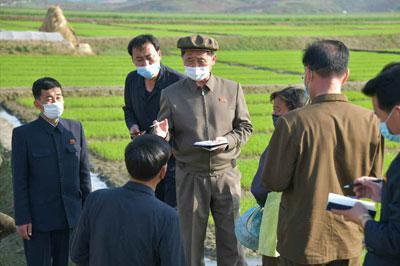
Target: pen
x,y
378,180
153,125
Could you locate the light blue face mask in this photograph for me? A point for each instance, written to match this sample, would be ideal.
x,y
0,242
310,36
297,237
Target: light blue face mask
x,y
149,71
386,132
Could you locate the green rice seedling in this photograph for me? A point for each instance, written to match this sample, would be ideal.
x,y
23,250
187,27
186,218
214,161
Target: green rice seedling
x,y
255,146
248,169
94,114
106,130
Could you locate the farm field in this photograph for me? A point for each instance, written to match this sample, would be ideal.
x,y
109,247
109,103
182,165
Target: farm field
x,y
107,29
246,67
242,58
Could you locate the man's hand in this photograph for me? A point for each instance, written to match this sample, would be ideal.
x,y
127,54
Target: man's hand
x,y
365,188
222,148
25,231
134,130
161,128
356,214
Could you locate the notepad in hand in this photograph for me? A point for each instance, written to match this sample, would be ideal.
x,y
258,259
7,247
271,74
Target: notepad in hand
x,y
210,145
336,201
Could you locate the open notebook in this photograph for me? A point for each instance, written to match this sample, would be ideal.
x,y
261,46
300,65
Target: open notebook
x,y
336,201
210,145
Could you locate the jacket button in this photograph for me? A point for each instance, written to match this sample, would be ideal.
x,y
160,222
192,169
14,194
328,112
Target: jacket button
x,y
370,249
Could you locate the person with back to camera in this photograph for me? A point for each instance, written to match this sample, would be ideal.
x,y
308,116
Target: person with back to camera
x,y
316,150
129,225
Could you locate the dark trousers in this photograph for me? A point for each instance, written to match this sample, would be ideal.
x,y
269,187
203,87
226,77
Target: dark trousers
x,y
48,248
270,261
166,189
346,262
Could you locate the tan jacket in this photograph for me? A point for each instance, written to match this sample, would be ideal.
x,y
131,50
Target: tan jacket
x,y
313,151
197,114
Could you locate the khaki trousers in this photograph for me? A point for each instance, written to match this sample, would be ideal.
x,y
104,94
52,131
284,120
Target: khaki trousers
x,y
197,194
346,262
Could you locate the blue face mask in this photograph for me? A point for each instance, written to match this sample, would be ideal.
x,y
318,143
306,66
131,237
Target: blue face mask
x,y
275,118
149,71
386,132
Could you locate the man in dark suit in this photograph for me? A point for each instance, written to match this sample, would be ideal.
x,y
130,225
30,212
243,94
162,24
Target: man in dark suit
x,y
128,225
51,177
143,88
382,238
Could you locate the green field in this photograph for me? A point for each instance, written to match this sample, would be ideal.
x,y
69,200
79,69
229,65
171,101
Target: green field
x,y
173,30
256,68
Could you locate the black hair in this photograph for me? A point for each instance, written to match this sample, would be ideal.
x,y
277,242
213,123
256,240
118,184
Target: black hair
x,y
292,96
145,156
385,86
141,40
327,57
45,83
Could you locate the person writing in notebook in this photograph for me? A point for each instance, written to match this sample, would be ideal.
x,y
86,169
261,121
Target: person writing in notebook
x,y
198,108
382,239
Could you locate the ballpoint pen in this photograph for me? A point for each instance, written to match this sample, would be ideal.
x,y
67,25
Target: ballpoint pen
x,y
378,180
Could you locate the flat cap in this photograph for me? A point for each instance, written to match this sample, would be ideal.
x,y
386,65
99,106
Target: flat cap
x,y
199,42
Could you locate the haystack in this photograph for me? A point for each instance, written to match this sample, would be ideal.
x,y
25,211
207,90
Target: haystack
x,y
55,21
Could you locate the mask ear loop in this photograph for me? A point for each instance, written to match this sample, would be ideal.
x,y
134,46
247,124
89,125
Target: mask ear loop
x,y
390,114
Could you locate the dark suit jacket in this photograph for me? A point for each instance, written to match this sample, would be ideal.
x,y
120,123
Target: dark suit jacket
x,y
141,108
51,175
127,226
382,239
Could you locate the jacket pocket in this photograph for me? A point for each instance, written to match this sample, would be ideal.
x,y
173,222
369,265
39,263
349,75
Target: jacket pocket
x,y
73,148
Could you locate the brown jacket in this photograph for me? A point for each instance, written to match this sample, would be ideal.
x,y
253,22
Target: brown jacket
x,y
313,151
196,114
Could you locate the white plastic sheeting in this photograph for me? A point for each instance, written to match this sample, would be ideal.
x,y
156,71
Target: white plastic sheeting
x,y
30,36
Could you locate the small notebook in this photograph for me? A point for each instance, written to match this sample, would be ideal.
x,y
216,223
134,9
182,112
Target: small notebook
x,y
336,201
210,145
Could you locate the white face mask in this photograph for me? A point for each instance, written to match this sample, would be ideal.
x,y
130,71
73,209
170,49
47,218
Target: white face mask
x,y
149,71
197,73
53,110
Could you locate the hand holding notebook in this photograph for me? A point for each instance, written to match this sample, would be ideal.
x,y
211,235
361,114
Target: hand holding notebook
x,y
340,202
211,145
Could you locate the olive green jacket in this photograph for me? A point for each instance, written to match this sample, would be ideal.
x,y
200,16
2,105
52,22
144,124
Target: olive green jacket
x,y
313,151
195,114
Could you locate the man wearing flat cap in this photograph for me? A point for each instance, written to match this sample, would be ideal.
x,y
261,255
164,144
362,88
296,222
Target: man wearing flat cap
x,y
198,108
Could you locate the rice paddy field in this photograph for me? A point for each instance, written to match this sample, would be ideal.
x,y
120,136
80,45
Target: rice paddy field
x,y
256,50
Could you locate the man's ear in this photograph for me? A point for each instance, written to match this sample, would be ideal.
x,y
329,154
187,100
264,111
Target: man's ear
x,y
308,76
346,76
396,109
163,172
38,105
214,59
